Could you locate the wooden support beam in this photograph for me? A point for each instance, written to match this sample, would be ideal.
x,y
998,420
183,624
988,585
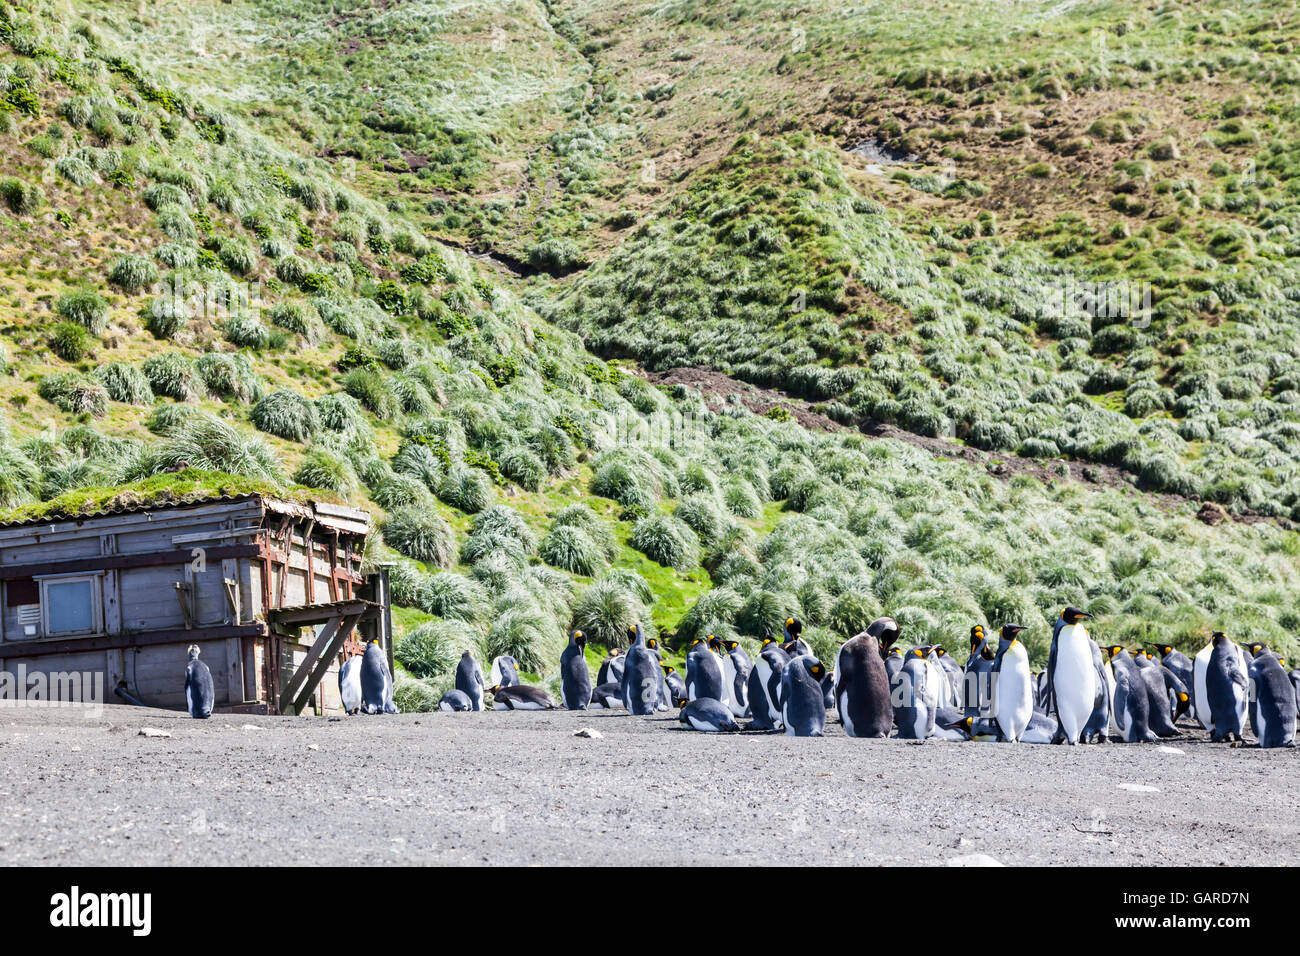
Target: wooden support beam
x,y
308,676
69,645
101,562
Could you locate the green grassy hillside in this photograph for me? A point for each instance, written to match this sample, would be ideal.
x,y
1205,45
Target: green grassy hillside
x,y
230,239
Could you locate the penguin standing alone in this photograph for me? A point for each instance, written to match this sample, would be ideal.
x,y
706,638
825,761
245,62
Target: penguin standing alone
x,y
1072,674
862,683
199,693
350,684
803,704
1013,688
376,681
575,679
469,680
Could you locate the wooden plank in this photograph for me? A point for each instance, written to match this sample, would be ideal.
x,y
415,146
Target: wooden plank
x,y
104,561
319,660
42,648
303,671
59,529
318,614
235,670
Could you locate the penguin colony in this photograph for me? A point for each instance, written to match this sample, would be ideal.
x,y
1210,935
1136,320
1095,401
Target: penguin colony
x,y
1087,693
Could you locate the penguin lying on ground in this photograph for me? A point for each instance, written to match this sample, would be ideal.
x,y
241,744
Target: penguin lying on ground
x,y
455,700
521,697
608,695
708,715
199,693
469,680
350,684
376,681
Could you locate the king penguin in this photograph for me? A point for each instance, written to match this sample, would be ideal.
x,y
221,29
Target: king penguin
x,y
915,695
469,679
1013,688
951,696
455,700
707,715
1273,713
522,697
676,686
704,673
1072,674
862,683
641,676
1226,689
1132,702
376,681
575,679
976,689
1160,716
765,685
735,671
803,704
611,668
199,693
350,684
504,671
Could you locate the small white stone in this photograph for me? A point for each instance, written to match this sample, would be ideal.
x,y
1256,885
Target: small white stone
x,y
1138,787
153,732
974,859
588,732
1170,750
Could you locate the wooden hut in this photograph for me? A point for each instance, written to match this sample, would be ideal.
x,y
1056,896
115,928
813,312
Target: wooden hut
x,y
270,590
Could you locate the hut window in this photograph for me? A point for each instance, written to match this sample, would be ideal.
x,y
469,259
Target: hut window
x,y
71,605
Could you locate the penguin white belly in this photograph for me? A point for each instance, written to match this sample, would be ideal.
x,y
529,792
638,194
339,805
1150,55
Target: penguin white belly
x,y
1240,693
189,700
720,673
1200,696
1074,682
528,705
1109,671
844,715
701,725
765,677
1015,693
